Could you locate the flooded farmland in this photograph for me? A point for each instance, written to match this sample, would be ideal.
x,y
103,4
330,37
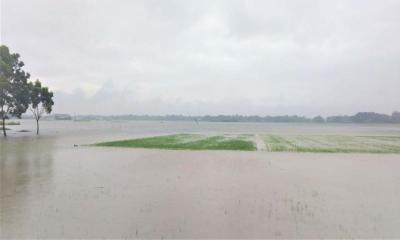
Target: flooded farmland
x,y
53,186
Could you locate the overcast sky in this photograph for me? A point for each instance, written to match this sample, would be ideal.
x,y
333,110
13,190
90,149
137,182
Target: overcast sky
x,y
210,57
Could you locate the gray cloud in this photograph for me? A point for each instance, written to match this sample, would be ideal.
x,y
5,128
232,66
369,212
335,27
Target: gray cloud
x,y
209,57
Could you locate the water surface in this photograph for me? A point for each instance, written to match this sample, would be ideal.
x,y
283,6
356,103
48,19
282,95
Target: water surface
x,y
51,189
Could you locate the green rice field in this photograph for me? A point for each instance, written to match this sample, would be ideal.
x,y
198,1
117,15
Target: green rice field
x,y
333,143
189,142
273,143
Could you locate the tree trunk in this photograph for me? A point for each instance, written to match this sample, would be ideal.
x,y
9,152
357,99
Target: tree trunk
x,y
37,126
4,127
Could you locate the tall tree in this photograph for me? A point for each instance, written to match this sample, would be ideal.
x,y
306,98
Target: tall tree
x,y
14,93
41,101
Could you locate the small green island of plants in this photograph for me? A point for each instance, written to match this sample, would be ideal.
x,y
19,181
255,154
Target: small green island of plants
x,y
188,142
273,143
10,123
333,143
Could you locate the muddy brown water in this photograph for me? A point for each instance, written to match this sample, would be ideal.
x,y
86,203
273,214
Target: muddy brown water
x,y
51,189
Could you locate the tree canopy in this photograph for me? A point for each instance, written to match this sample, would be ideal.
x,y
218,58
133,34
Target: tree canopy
x,y
41,101
14,93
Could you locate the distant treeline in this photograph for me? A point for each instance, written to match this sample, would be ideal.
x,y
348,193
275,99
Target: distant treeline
x,y
362,117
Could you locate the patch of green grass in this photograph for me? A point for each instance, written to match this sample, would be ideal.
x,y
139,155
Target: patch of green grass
x,y
186,141
10,123
275,143
279,144
334,144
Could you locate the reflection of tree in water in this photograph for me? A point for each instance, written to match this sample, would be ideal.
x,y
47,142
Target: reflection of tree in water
x,y
25,169
24,160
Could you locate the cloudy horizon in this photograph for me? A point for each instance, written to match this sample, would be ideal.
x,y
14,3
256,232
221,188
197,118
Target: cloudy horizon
x,y
210,57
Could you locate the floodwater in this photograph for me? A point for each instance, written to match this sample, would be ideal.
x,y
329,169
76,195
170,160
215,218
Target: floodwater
x,y
51,189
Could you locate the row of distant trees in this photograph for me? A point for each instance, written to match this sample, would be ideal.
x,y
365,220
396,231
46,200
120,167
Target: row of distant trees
x,y
17,93
367,117
362,117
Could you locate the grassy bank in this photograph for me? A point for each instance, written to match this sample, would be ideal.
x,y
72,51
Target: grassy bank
x,y
188,142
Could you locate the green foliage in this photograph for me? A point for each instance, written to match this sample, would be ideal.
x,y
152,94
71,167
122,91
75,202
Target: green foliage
x,y
358,118
41,101
41,98
396,117
279,144
275,143
14,98
318,119
186,141
10,123
334,143
14,93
